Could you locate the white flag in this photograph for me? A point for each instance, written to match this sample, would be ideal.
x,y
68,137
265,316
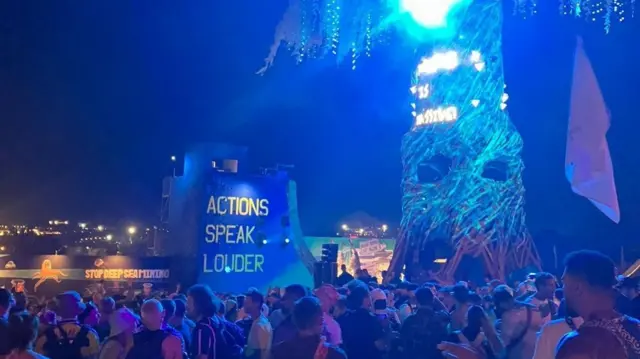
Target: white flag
x,y
588,164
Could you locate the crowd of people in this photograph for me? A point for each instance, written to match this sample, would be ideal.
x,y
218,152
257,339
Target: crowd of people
x,y
592,315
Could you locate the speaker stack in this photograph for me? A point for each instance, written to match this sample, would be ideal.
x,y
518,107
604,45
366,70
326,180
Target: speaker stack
x,y
325,271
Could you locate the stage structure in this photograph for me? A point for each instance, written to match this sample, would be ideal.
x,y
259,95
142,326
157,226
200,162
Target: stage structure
x,y
462,165
462,178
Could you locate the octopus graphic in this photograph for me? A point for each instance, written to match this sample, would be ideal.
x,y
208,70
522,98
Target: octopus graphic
x,y
45,273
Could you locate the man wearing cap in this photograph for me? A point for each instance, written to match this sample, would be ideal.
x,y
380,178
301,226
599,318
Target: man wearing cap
x,y
68,306
106,306
122,324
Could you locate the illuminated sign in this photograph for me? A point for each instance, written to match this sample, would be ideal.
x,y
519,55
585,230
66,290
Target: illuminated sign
x,y
45,273
244,238
435,116
234,233
122,274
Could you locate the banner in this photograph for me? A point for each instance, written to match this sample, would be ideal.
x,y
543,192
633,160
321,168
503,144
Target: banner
x,y
246,240
49,275
588,164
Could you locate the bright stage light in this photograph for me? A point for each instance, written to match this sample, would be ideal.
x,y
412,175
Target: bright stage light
x,y
440,61
429,14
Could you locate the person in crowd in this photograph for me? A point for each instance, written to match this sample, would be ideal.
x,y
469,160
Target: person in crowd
x,y
273,299
328,296
589,278
555,330
90,315
405,301
364,276
282,323
518,325
180,322
47,319
202,306
22,331
403,293
308,342
106,306
155,341
462,299
503,302
388,318
445,296
234,331
473,334
6,302
362,333
422,331
242,314
542,299
69,339
344,276
261,334
340,308
231,310
629,301
169,307
20,303
119,341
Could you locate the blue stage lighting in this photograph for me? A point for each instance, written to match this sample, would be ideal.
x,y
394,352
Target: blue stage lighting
x,y
429,14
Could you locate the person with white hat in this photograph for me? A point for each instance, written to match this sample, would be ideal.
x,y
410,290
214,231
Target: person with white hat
x,y
380,306
123,323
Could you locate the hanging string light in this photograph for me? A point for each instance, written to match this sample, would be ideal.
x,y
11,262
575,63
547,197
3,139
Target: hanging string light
x,y
347,28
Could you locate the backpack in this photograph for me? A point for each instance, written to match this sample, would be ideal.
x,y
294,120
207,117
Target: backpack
x,y
63,347
225,344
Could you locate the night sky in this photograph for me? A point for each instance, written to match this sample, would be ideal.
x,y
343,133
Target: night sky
x,y
95,96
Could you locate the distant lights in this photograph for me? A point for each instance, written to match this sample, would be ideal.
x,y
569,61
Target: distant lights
x,y
437,115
